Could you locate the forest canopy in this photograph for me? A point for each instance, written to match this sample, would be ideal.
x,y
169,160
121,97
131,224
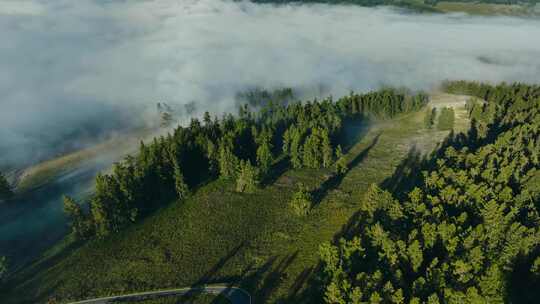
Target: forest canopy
x,y
469,231
242,148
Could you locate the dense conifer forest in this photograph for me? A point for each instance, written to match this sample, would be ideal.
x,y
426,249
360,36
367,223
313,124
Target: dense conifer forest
x,y
458,225
468,232
243,148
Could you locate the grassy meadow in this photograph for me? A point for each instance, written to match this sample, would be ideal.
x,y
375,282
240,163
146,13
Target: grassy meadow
x,y
217,235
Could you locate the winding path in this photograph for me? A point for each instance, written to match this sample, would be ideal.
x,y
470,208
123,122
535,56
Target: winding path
x,y
234,294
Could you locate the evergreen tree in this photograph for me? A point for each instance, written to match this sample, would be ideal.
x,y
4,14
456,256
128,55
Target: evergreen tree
x,y
264,156
468,232
182,189
248,177
341,162
327,151
429,117
228,162
296,150
80,224
301,201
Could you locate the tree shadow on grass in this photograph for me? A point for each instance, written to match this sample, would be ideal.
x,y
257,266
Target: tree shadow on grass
x,y
354,130
334,181
276,171
273,278
262,281
27,273
407,174
210,274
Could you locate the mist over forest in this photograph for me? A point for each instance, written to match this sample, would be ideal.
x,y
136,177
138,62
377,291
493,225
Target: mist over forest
x,y
77,71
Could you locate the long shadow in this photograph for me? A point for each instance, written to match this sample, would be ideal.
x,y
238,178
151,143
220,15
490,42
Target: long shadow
x,y
276,172
355,129
207,277
24,274
336,179
212,271
262,281
308,287
271,281
407,174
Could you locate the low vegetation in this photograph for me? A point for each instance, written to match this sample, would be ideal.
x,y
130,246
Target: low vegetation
x,y
375,222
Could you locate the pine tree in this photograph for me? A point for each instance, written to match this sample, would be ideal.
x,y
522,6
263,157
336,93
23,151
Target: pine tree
x,y
341,162
264,156
301,201
327,151
80,225
296,150
429,117
312,154
228,162
248,177
182,189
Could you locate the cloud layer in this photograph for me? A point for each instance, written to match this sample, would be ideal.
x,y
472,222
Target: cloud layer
x,y
88,67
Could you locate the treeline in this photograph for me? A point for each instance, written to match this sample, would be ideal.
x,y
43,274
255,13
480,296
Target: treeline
x,y
468,232
242,147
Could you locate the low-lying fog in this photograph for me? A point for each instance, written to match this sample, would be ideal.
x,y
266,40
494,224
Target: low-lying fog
x,y
71,71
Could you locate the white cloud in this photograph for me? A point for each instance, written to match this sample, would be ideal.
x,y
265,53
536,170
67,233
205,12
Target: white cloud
x,y
20,7
77,64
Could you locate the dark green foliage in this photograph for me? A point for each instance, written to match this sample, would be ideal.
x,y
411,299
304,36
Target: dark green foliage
x,y
446,119
228,162
81,224
170,166
341,162
310,140
429,118
5,188
265,157
317,149
468,233
180,185
301,201
3,267
248,177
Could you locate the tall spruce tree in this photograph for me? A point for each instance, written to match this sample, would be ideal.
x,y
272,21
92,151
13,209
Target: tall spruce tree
x,y
182,189
429,117
80,223
248,177
341,162
264,156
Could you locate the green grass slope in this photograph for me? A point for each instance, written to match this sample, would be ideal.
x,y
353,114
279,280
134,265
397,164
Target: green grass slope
x,y
219,236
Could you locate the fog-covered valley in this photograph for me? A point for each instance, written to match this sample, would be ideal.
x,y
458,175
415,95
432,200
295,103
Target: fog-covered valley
x,y
416,182
73,73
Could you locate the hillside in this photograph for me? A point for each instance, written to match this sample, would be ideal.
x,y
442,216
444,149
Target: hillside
x,y
252,240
